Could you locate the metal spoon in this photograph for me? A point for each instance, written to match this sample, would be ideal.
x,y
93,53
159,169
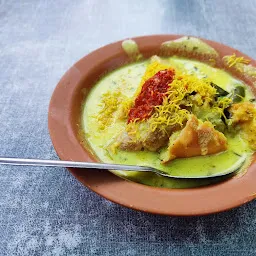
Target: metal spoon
x,y
59,163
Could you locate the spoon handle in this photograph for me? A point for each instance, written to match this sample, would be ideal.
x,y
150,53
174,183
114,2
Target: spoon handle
x,y
60,163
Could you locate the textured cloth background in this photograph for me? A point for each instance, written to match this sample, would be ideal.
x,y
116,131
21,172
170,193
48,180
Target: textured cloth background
x,y
45,211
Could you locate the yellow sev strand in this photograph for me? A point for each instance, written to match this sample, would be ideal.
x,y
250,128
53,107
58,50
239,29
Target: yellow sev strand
x,y
233,60
109,104
171,113
220,105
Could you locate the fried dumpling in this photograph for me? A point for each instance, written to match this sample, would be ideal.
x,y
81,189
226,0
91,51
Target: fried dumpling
x,y
196,139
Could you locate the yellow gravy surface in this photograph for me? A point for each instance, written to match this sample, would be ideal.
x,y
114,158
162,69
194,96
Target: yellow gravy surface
x,y
128,79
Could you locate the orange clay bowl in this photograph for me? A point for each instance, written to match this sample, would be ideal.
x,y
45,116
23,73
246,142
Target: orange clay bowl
x,y
64,122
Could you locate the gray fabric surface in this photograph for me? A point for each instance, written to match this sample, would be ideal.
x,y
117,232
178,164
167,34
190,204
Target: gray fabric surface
x,y
45,211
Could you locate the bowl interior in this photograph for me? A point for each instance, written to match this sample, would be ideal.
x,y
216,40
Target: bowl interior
x,y
65,130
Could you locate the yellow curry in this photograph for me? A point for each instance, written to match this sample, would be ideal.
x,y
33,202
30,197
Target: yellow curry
x,y
181,116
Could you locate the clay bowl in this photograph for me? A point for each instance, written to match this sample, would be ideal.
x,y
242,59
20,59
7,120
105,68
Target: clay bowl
x,y
64,119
